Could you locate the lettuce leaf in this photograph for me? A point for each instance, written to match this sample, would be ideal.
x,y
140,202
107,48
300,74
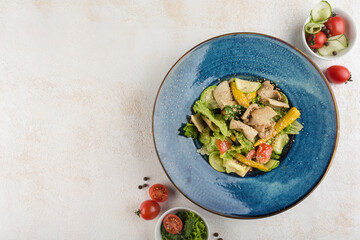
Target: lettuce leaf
x,y
293,128
190,131
246,145
217,119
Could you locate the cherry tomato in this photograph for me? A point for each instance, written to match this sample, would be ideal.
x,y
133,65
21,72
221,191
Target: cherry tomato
x,y
158,192
251,154
149,209
172,223
316,40
223,145
338,74
336,25
263,153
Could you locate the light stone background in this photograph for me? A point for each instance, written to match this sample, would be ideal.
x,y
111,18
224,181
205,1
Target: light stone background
x,y
78,80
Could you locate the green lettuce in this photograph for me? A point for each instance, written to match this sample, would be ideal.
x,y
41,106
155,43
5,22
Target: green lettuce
x,y
233,112
190,131
246,145
217,119
293,128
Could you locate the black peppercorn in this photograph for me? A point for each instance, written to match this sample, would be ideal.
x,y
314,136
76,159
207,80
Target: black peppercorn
x,y
146,178
334,53
139,187
144,185
326,43
216,234
328,36
327,31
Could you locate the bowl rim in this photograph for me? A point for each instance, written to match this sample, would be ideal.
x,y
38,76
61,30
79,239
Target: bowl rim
x,y
345,52
159,221
336,138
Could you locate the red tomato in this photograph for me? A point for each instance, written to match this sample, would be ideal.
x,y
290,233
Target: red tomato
x,y
223,145
336,25
338,74
251,154
316,40
172,223
263,153
149,209
158,192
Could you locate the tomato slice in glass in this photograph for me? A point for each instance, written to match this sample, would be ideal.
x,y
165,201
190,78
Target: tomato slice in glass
x,y
158,192
172,224
223,145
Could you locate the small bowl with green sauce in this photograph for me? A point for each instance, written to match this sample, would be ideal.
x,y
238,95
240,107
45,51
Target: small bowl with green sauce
x,y
194,226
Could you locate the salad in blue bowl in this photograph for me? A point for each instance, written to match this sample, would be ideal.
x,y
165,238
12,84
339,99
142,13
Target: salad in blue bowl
x,y
243,62
243,125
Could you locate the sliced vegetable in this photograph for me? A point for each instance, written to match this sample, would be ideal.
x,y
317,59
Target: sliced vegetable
x,y
272,164
233,138
239,96
217,119
263,153
250,163
190,131
293,128
172,224
158,192
246,145
223,145
247,86
232,165
321,12
251,154
312,28
204,136
279,142
285,121
216,162
207,97
336,44
251,96
274,156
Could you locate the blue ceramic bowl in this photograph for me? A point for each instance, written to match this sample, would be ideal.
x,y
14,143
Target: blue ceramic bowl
x,y
251,56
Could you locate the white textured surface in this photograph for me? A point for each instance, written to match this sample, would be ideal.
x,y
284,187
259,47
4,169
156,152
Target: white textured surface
x,y
77,84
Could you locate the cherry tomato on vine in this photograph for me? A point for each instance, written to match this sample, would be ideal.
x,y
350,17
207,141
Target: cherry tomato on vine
x,y
149,209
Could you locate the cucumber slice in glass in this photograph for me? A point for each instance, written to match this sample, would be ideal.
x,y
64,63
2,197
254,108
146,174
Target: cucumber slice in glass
x,y
321,12
247,86
312,28
208,98
216,162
